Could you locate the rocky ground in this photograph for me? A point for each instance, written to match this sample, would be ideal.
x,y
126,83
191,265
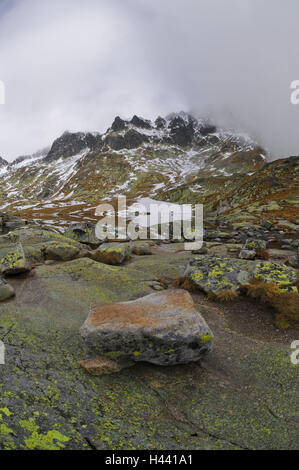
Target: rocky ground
x,y
238,294
242,395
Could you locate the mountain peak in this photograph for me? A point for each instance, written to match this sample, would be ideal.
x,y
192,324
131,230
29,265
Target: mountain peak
x,y
72,143
3,162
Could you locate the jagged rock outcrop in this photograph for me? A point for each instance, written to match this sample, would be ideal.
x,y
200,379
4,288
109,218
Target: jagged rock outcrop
x,y
130,140
72,143
118,124
140,122
181,132
3,162
160,123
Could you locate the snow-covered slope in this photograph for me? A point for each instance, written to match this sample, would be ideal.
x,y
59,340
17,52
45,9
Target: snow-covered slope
x,y
138,158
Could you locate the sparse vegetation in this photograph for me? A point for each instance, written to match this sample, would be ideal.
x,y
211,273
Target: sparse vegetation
x,y
285,303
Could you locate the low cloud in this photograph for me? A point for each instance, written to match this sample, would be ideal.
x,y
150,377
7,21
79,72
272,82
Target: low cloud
x,y
74,65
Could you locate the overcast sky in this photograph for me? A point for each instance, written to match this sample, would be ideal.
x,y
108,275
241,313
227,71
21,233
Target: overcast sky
x,y
73,64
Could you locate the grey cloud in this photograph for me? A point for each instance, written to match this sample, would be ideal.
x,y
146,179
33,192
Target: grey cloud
x,y
74,65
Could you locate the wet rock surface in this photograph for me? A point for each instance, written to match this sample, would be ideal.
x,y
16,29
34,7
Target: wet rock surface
x,y
48,401
55,393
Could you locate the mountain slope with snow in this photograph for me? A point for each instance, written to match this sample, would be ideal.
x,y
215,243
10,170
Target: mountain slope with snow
x,y
177,158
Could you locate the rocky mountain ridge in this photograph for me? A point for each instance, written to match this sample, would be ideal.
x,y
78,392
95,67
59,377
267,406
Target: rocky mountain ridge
x,y
136,157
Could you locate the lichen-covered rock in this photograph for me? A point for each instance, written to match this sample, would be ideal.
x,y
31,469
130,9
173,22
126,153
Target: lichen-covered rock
x,y
13,260
83,233
34,236
40,244
294,261
6,290
255,244
11,222
295,243
61,252
162,328
112,253
247,254
141,248
274,273
213,274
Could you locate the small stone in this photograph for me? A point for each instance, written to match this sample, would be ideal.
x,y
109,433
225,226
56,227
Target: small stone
x,y
141,248
201,251
266,224
6,291
295,243
102,365
247,254
294,261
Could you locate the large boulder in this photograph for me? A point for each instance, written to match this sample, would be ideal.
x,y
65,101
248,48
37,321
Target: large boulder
x,y
10,222
162,328
34,236
274,273
40,244
83,233
295,243
6,290
247,254
112,253
13,260
255,244
294,261
213,274
61,251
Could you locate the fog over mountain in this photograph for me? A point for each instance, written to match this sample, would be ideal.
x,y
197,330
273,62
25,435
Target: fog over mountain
x,y
74,65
